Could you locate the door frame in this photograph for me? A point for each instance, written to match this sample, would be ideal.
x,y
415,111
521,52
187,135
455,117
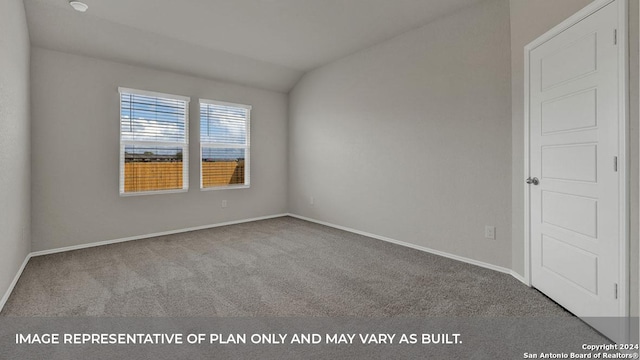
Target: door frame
x,y
623,151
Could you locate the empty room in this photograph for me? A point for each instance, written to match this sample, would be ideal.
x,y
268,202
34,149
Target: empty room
x,y
295,179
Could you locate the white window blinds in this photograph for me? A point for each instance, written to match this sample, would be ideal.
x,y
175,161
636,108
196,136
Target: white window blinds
x,y
154,142
224,145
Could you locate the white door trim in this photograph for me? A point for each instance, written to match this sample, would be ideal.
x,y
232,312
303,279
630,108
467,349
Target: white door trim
x,y
623,131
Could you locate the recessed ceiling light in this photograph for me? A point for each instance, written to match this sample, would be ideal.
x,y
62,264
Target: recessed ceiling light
x,y
79,6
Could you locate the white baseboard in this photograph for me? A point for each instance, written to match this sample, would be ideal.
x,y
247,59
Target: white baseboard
x,y
520,278
146,236
5,298
417,247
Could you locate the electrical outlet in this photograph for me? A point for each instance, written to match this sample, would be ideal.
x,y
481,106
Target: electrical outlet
x,y
490,232
224,203
311,201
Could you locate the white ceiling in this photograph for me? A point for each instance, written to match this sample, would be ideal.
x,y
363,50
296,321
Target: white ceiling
x,y
263,43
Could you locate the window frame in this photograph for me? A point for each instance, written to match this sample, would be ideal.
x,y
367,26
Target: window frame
x,y
184,145
221,145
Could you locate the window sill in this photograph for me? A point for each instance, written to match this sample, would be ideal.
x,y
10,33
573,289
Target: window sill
x,y
139,193
230,187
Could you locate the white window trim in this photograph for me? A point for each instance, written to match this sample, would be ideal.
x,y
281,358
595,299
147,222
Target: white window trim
x,y
185,145
247,147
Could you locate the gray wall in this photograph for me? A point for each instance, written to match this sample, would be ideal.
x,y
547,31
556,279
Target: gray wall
x,y
14,140
75,154
411,139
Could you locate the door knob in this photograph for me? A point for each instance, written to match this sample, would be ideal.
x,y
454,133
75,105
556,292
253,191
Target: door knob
x,y
533,181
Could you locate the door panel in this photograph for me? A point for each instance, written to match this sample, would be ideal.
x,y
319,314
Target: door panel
x,y
573,213
570,162
567,63
572,112
582,271
574,210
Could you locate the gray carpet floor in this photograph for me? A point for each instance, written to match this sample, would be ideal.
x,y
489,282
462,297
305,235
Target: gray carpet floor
x,y
281,267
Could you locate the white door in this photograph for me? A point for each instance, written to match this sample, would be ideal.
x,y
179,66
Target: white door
x,y
573,145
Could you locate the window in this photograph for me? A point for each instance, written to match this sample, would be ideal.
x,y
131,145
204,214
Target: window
x,y
154,142
224,145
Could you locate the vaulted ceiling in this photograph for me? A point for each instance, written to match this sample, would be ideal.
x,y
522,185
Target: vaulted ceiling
x,y
264,43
